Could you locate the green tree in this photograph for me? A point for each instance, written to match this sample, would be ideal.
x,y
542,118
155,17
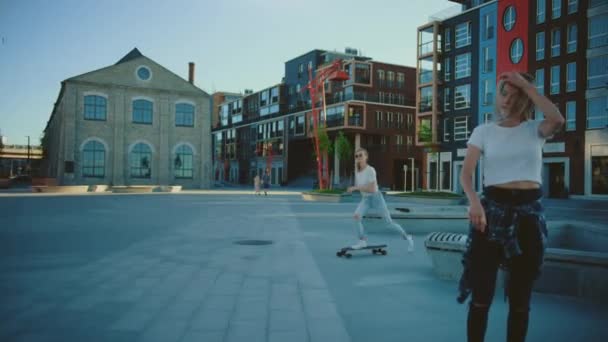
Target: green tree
x,y
344,148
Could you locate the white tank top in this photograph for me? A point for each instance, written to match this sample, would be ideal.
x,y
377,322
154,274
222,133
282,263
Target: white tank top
x,y
509,153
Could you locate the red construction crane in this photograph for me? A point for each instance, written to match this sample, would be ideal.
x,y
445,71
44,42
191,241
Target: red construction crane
x,y
331,72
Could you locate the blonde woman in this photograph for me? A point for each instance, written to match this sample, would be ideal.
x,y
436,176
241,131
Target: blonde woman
x,y
366,183
256,184
507,223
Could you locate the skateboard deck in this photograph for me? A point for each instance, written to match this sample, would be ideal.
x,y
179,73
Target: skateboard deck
x,y
376,249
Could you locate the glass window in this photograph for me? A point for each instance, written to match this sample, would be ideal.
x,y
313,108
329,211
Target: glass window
x,y
517,50
509,17
597,112
540,11
488,62
184,115
488,26
540,45
446,130
264,98
463,34
572,6
448,39
487,117
182,164
571,76
556,9
540,81
595,3
400,80
142,111
598,31
379,116
425,133
362,73
95,107
462,96
426,99
300,124
448,69
597,72
140,161
599,175
390,78
554,79
488,96
93,159
555,42
463,65
572,28
447,96
143,73
274,95
461,128
570,115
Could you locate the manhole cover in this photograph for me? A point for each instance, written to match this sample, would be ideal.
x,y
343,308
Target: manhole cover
x,y
253,242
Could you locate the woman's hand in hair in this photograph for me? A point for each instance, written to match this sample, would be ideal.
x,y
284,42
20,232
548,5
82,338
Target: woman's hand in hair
x,y
517,80
477,216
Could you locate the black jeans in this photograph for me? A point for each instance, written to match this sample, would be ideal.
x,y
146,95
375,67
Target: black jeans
x,y
486,256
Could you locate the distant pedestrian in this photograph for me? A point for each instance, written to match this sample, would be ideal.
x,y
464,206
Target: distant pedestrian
x,y
371,197
256,184
266,182
508,223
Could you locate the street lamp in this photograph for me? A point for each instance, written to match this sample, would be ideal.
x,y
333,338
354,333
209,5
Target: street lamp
x,y
28,155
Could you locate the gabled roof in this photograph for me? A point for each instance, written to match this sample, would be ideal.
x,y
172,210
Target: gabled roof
x,y
135,53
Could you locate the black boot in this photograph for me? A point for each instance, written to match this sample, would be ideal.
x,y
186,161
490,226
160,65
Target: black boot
x,y
477,322
517,325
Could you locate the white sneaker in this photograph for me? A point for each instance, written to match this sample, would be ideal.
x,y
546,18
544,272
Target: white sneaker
x,y
359,245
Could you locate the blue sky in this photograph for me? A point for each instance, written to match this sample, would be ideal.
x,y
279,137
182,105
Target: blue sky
x,y
236,44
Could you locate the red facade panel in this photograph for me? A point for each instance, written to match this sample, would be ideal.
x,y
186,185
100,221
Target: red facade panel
x,y
506,38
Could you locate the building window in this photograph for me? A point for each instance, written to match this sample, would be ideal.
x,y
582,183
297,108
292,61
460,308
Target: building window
x,y
463,65
540,81
410,140
95,107
538,115
556,9
599,172
597,112
509,17
184,115
448,39
571,116
300,125
379,116
274,95
182,163
540,11
554,80
446,130
426,99
462,96
540,45
447,95
93,159
264,98
380,78
461,128
448,69
572,6
390,79
140,161
487,117
488,96
463,34
571,76
400,80
142,112
572,32
488,62
597,72
517,50
598,31
144,73
488,27
555,42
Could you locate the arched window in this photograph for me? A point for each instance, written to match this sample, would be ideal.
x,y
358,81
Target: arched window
x,y
509,17
140,161
93,159
182,163
184,115
517,50
142,111
95,107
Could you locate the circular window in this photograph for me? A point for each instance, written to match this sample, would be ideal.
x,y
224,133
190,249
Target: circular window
x,y
517,50
143,73
508,19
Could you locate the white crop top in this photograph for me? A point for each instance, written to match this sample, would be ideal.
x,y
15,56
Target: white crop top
x,y
366,176
509,153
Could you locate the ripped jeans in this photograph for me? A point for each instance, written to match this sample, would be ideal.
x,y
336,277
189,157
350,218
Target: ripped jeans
x,y
375,201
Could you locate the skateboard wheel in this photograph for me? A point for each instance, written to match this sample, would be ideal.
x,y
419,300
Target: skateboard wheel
x,y
383,252
374,251
338,254
348,255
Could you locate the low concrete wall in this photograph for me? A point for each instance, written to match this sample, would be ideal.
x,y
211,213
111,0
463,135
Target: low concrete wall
x,y
580,271
134,189
426,220
65,189
317,197
168,188
98,188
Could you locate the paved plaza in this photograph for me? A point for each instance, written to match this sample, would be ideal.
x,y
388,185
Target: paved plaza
x,y
165,267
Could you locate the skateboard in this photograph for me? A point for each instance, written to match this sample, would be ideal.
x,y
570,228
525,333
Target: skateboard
x,y
376,249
